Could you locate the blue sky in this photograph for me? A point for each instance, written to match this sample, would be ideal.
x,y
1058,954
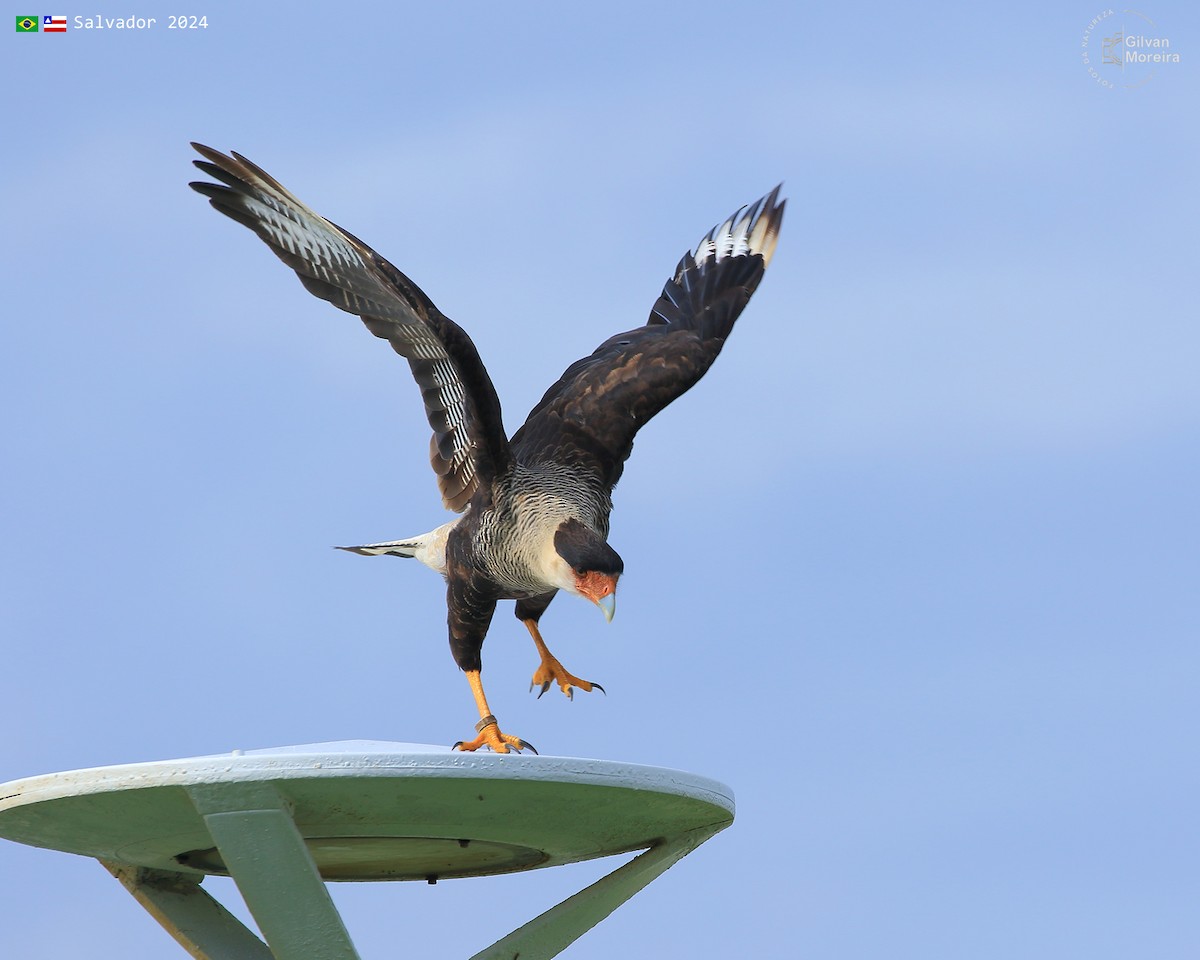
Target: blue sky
x,y
913,569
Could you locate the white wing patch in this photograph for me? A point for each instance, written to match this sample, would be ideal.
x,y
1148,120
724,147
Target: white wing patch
x,y
747,232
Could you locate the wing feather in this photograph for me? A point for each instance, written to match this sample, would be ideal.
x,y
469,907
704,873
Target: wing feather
x,y
468,446
590,416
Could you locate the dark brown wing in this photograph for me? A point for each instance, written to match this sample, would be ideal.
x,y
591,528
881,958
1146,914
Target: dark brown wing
x,y
589,417
468,446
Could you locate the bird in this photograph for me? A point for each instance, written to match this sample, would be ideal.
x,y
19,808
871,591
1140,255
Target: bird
x,y
532,509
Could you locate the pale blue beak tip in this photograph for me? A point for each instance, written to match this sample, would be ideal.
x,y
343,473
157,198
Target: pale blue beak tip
x,y
608,606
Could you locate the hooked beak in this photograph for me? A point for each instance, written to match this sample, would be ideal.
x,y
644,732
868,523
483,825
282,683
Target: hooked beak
x,y
608,606
601,589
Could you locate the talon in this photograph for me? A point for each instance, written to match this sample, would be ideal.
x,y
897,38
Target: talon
x,y
487,727
551,671
491,737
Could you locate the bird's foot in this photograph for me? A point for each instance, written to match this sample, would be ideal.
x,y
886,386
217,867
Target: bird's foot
x,y
551,671
490,736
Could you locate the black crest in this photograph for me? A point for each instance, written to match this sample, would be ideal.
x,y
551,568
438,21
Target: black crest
x,y
585,550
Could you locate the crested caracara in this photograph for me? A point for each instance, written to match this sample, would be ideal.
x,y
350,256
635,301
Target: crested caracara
x,y
532,509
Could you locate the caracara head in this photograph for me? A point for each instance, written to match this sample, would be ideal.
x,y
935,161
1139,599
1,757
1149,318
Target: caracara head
x,y
592,566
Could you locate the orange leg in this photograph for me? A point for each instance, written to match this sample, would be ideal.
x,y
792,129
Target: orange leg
x,y
487,728
551,671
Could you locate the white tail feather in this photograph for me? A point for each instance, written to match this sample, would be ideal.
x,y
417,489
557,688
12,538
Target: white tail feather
x,y
429,548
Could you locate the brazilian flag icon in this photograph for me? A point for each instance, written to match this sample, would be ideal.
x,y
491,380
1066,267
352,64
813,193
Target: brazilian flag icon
x,y
27,24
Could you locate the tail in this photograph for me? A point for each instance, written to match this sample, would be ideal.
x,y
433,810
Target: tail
x,y
429,548
395,548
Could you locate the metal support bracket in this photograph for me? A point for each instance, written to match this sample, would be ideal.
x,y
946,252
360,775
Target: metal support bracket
x,y
300,922
552,932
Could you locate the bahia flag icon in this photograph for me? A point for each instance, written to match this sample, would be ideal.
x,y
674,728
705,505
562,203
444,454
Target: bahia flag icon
x,y
27,24
54,24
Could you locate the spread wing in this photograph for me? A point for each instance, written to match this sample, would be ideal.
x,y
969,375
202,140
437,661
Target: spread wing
x,y
589,417
468,445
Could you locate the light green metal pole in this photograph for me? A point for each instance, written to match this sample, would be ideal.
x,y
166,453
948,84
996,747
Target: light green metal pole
x,y
253,829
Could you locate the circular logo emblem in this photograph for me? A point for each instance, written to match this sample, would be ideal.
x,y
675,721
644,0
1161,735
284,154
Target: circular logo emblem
x,y
1125,49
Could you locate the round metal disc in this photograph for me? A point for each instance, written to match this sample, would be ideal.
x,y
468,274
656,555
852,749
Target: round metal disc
x,y
370,810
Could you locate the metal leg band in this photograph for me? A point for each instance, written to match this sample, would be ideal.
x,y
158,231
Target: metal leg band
x,y
483,724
